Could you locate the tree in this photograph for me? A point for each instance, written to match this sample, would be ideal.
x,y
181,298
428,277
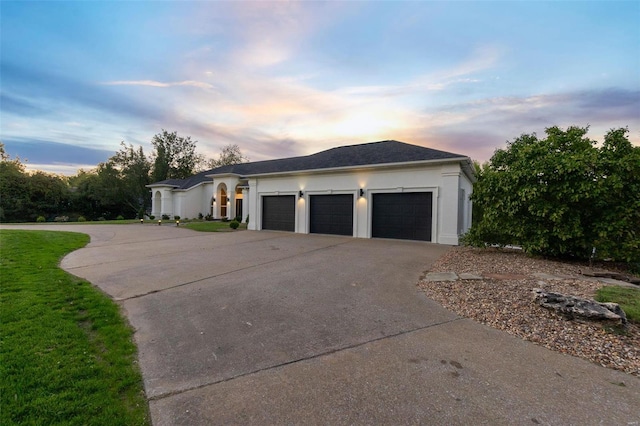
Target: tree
x,y
229,155
561,196
175,157
24,196
117,187
135,169
14,184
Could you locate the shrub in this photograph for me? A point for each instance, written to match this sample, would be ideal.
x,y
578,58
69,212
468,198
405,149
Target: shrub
x,y
152,217
165,217
200,216
225,219
561,196
120,217
81,219
208,217
41,219
61,219
176,217
141,213
234,224
238,219
247,221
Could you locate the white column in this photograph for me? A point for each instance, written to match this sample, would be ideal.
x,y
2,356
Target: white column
x,y
245,203
253,205
448,206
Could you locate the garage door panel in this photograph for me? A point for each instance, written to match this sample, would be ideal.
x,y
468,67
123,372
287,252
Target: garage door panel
x,y
404,215
279,212
331,214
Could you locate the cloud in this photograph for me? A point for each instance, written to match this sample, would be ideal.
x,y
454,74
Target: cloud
x,y
19,106
477,128
38,152
153,83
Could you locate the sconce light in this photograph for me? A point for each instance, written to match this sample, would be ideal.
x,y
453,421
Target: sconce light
x,y
301,194
361,192
214,199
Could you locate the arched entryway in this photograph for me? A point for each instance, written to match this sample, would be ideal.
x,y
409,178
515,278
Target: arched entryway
x,y
221,206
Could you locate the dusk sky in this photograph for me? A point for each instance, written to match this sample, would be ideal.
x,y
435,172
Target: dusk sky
x,y
282,79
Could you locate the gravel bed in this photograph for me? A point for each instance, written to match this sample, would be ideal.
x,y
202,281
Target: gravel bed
x,y
506,302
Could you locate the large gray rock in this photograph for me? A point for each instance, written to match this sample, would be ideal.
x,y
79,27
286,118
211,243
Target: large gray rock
x,y
572,306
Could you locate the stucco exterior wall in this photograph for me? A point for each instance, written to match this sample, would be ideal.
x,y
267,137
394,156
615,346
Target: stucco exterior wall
x,y
444,181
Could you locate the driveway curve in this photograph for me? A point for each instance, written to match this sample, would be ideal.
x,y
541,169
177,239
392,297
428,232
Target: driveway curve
x,y
280,328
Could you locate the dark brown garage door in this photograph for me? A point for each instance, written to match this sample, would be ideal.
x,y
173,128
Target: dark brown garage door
x,y
331,214
279,212
405,216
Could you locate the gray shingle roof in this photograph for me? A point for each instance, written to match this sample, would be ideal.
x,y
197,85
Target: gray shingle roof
x,y
373,153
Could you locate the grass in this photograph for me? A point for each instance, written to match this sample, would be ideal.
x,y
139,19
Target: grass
x,y
66,354
212,226
627,298
92,222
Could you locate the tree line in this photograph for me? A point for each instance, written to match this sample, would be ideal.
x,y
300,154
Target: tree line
x,y
115,188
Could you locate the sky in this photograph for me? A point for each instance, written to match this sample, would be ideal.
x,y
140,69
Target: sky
x,y
282,79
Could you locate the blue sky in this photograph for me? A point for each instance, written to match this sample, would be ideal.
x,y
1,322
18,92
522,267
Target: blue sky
x,y
293,78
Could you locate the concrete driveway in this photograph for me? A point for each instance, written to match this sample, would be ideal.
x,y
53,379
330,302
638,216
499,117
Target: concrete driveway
x,y
280,328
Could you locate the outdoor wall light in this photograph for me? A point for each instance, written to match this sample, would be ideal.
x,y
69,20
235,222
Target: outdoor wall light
x,y
214,199
301,194
361,192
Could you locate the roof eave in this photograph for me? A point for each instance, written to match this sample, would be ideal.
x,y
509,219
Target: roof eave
x,y
362,167
156,185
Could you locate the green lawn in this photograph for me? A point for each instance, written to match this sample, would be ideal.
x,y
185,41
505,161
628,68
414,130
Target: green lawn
x,y
212,226
66,354
627,298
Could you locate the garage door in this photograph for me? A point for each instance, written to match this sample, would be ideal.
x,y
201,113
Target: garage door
x,y
331,214
406,216
279,212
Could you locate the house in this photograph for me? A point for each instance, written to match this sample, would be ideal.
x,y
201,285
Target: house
x,y
386,189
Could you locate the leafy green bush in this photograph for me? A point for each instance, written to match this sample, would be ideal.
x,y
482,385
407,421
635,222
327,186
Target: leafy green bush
x,y
176,217
152,217
81,219
120,217
561,196
165,217
41,219
247,220
234,224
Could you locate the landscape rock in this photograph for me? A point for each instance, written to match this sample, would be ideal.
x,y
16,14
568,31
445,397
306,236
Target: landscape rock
x,y
573,307
441,276
467,276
